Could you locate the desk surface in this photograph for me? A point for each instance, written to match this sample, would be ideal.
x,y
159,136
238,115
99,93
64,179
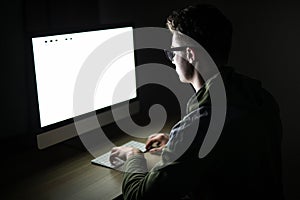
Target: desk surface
x,y
63,171
72,178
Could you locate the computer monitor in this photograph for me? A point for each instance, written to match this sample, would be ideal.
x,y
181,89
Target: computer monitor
x,y
58,60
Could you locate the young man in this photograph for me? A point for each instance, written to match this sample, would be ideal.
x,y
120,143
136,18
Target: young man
x,y
245,161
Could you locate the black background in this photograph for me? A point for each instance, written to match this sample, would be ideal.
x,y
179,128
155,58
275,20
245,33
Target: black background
x,y
265,46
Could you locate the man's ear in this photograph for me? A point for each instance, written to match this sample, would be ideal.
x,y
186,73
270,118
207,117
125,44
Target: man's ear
x,y
190,53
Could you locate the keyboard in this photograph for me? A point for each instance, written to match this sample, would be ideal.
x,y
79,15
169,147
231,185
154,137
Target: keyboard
x,y
103,160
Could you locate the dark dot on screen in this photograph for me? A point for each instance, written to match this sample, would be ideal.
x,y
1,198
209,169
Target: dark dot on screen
x,y
71,38
66,39
46,41
51,40
56,40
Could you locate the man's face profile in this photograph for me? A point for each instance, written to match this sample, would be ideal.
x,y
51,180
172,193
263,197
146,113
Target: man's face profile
x,y
183,68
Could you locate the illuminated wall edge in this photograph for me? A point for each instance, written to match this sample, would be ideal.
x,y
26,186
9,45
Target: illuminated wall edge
x,y
66,132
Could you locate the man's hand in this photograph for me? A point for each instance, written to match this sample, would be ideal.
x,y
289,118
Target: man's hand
x,y
122,153
156,142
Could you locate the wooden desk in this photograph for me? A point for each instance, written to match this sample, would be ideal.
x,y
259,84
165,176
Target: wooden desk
x,y
63,172
60,172
72,178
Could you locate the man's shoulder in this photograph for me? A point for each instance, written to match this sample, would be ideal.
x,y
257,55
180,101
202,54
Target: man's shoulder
x,y
245,91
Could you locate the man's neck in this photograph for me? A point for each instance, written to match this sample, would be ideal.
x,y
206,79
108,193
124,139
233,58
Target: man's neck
x,y
197,85
197,82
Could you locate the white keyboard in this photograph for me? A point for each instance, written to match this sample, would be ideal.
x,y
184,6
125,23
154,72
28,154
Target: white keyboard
x,y
103,160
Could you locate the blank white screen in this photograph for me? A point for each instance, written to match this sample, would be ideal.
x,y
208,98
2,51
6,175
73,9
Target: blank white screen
x,y
58,63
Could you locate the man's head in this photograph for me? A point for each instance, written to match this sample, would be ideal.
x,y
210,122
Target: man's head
x,y
207,26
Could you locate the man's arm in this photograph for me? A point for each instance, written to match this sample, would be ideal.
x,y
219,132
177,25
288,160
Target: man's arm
x,y
179,167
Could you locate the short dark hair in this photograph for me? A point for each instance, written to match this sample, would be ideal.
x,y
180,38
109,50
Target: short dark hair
x,y
206,25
